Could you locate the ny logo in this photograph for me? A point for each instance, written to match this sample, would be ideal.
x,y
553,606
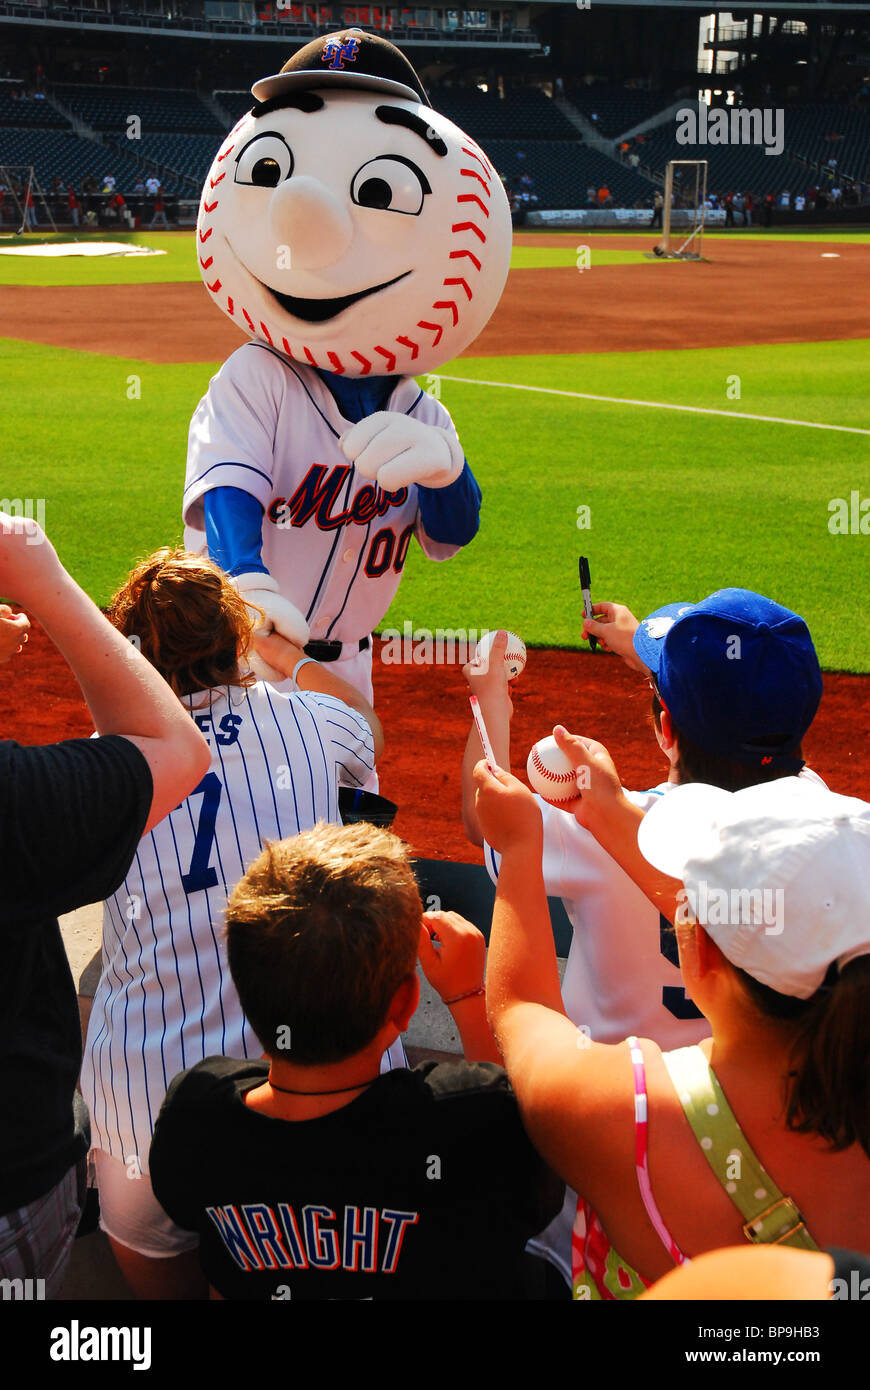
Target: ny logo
x,y
337,50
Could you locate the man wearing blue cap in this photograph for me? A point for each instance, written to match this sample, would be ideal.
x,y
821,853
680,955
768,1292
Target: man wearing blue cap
x,y
736,684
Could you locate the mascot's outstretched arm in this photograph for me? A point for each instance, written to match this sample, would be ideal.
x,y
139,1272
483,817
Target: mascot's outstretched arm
x,y
234,535
360,240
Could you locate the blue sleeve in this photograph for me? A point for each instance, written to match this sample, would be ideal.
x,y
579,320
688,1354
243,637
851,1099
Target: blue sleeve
x,y
451,514
234,530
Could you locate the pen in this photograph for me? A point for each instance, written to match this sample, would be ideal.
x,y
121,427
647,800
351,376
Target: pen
x,y
587,596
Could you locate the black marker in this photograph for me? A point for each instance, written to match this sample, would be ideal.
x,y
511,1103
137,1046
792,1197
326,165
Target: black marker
x,y
585,585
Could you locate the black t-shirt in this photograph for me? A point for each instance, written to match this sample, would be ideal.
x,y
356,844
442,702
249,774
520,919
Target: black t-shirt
x,y
71,815
424,1187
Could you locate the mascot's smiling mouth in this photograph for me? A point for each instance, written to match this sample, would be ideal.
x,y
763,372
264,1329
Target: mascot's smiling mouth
x,y
319,310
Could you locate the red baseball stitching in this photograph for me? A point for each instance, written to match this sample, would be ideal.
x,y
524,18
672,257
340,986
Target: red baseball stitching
x,y
436,329
248,320
406,342
458,281
213,183
204,236
214,288
473,174
468,227
548,773
336,363
359,357
473,198
223,156
448,304
287,347
209,207
205,264
267,333
480,157
456,255
390,356
230,308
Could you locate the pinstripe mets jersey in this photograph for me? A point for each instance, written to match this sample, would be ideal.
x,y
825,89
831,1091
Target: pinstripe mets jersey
x,y
334,541
165,999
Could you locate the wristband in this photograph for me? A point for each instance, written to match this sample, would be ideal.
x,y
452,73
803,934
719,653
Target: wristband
x,y
303,661
471,994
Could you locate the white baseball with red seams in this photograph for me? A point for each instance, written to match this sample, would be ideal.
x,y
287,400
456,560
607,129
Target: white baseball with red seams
x,y
373,253
551,774
514,656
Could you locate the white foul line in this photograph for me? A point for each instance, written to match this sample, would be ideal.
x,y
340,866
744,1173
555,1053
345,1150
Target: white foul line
x,y
654,405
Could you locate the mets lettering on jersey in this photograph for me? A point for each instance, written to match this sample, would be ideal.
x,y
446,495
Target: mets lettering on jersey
x,y
165,999
358,1239
335,543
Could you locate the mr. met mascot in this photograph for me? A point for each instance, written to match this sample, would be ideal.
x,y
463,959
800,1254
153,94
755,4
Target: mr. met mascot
x,y
358,237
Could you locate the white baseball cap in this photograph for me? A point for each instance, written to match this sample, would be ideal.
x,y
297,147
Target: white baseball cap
x,y
778,874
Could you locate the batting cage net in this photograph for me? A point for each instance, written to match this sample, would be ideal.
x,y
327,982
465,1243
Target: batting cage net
x,y
685,179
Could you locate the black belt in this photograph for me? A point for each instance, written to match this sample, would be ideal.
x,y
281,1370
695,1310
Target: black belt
x,y
332,651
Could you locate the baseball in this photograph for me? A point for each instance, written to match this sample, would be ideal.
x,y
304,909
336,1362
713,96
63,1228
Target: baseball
x,y
550,772
514,657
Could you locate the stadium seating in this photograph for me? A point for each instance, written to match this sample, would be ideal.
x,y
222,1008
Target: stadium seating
x,y
30,112
562,171
618,108
731,168
524,113
107,109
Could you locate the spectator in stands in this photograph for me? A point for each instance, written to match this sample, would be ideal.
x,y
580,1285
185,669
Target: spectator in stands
x,y
109,183
785,200
591,196
73,816
799,202
73,205
649,1139
605,198
159,209
29,209
748,205
836,194
152,185
729,210
658,209
768,208
634,159
323,934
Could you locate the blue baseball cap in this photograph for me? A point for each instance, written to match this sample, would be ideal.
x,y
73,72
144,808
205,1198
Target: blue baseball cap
x,y
738,673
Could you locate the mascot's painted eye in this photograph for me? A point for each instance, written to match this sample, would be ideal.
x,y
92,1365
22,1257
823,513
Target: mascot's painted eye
x,y
265,161
391,183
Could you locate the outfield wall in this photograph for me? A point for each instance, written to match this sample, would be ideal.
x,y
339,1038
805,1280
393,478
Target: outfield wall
x,y
617,217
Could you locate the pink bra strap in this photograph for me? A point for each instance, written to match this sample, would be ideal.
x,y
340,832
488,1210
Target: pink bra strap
x,y
640,1154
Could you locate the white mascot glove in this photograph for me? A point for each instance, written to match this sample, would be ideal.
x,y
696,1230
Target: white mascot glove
x,y
396,450
282,617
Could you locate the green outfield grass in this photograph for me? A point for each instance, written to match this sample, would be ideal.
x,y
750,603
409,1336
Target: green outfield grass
x,y
679,503
179,264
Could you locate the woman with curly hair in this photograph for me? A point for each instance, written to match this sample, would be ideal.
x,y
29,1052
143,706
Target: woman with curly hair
x,y
165,999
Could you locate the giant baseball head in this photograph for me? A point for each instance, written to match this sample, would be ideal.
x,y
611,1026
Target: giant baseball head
x,y
347,223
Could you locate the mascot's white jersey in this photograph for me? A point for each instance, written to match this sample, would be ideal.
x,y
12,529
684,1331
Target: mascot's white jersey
x,y
165,999
335,542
